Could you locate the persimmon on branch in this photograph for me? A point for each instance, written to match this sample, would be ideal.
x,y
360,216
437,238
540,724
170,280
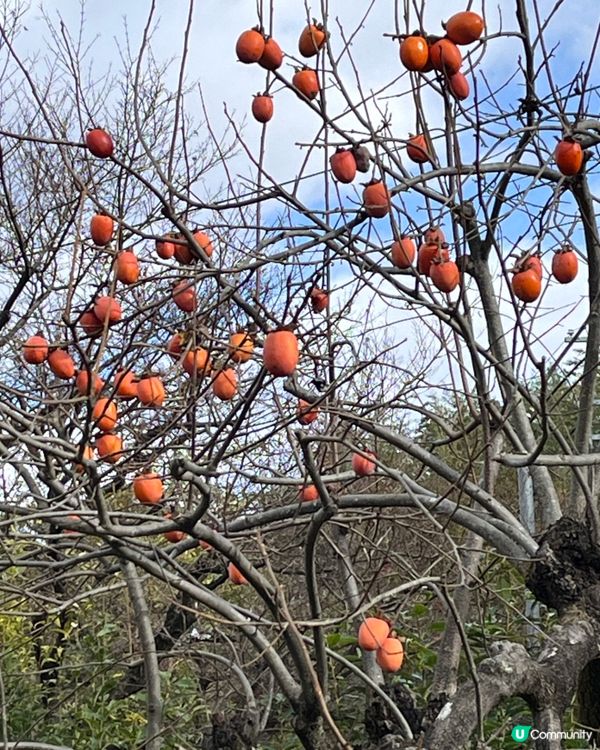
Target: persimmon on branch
x,y
231,393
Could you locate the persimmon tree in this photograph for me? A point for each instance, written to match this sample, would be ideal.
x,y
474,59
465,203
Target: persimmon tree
x,y
299,441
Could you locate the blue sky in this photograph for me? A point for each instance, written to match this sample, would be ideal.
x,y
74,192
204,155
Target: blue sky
x,y
226,82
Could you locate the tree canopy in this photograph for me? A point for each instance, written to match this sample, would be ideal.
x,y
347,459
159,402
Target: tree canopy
x,y
297,404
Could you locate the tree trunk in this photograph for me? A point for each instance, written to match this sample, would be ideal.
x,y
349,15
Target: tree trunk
x,y
576,506
588,698
308,726
566,577
547,502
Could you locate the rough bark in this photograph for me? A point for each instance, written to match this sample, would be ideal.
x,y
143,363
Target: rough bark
x,y
229,733
380,723
566,576
567,565
588,698
547,684
308,726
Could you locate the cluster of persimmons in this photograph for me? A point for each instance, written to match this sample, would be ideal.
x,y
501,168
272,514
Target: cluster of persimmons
x,y
419,53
